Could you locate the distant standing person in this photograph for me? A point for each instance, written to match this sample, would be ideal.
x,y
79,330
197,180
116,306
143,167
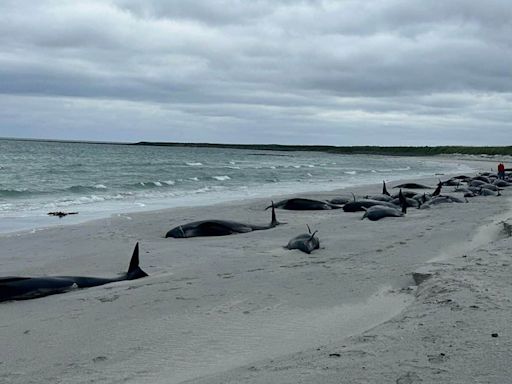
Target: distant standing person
x,y
501,171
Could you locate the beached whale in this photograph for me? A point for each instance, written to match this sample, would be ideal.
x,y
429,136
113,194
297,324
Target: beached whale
x,y
305,242
442,199
412,186
384,189
300,204
23,288
360,205
340,200
476,183
501,183
218,227
483,178
488,192
379,198
378,212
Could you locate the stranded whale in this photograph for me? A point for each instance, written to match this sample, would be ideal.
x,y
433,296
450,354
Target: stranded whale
x,y
218,227
412,186
305,242
300,204
23,288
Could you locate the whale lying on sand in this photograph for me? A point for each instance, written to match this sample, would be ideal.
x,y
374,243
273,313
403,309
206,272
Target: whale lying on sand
x,y
218,228
300,204
23,288
305,242
361,205
412,186
378,212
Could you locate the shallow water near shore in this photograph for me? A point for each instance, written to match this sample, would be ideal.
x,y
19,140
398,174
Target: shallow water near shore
x,y
98,180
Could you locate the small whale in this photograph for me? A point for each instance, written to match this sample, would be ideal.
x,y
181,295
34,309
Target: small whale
x,y
380,198
24,288
442,199
502,183
378,212
340,200
412,186
305,242
488,192
476,183
485,179
360,205
60,214
218,227
450,182
300,204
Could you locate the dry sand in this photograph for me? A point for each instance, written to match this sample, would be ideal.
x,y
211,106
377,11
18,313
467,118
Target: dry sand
x,y
242,309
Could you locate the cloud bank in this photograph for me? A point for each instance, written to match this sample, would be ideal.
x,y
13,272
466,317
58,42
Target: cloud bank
x,y
378,72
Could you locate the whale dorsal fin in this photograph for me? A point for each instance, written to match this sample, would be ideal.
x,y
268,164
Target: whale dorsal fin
x,y
384,189
134,261
134,271
274,221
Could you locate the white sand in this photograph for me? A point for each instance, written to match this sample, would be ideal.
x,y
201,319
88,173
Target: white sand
x,y
241,309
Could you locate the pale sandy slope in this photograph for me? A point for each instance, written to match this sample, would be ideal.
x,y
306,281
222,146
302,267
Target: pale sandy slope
x,y
243,309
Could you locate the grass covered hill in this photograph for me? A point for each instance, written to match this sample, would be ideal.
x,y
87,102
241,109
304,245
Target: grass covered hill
x,y
373,150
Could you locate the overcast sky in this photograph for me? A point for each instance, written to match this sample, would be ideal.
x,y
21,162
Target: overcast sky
x,y
376,72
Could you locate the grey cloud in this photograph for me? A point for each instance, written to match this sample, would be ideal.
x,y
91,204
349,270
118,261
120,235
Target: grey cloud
x,y
233,68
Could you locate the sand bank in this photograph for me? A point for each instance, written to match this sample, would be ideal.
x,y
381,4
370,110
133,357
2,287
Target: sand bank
x,y
243,309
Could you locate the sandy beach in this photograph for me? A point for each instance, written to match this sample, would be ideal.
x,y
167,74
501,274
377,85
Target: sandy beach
x,y
242,309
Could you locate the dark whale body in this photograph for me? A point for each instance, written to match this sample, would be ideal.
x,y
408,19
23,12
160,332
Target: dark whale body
x,y
23,288
300,204
218,228
305,242
378,212
412,186
442,199
361,205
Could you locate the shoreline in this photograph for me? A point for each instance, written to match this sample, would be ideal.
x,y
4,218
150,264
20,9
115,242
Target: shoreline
x,y
42,222
207,299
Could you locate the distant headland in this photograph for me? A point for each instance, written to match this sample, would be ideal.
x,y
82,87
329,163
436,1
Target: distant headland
x,y
347,150
351,150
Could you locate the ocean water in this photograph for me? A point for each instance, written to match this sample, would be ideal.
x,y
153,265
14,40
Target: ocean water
x,y
98,180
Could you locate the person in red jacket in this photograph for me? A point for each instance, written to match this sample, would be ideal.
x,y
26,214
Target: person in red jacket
x,y
501,171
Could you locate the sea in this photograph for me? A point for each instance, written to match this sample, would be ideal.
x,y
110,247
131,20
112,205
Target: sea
x,y
98,180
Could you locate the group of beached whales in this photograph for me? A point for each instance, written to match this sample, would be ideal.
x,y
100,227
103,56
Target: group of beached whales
x,y
375,207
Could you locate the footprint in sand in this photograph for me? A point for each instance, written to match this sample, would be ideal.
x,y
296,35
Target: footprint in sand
x,y
409,378
107,299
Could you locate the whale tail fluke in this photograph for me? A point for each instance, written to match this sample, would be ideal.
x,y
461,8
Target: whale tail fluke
x,y
403,201
134,271
437,192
